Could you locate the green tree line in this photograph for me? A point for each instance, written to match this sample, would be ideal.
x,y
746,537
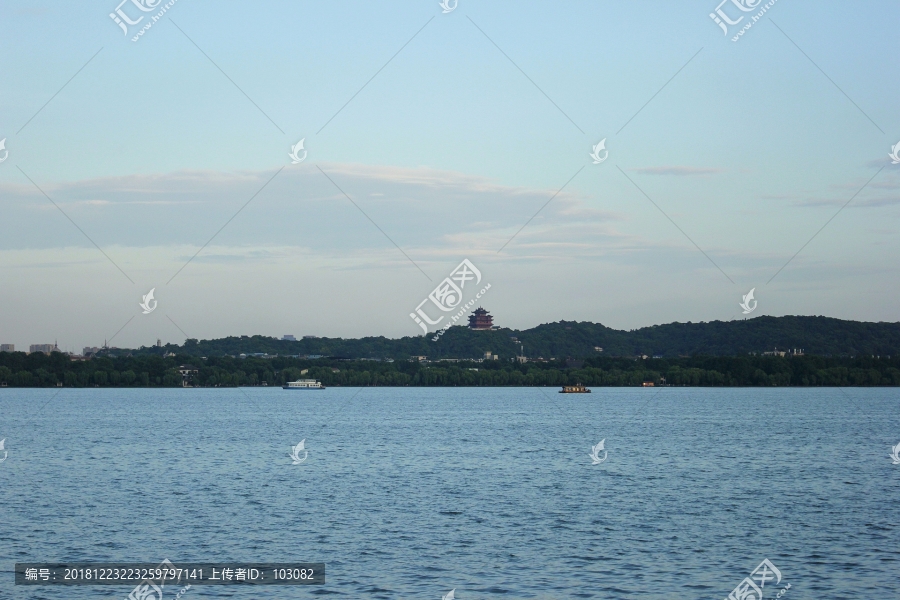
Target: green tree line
x,y
18,369
815,335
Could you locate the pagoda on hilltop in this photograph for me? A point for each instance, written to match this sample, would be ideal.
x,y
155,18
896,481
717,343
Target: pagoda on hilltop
x,y
480,320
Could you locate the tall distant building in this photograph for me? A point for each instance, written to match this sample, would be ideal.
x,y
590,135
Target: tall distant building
x,y
7,347
288,338
480,320
45,348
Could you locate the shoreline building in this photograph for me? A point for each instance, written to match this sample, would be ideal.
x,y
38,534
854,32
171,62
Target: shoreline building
x,y
187,374
481,320
44,348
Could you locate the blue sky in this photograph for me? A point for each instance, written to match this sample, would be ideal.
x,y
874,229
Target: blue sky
x,y
746,148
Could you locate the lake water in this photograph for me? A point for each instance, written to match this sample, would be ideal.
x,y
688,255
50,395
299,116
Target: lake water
x,y
411,492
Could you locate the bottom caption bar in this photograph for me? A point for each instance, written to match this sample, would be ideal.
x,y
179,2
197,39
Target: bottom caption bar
x,y
155,577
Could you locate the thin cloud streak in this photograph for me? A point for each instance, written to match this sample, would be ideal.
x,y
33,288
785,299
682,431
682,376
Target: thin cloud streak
x,y
677,171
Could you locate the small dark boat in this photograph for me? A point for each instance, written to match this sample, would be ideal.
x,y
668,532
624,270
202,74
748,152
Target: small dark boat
x,y
574,389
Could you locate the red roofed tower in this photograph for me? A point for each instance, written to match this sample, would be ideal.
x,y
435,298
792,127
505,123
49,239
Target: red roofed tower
x,y
480,320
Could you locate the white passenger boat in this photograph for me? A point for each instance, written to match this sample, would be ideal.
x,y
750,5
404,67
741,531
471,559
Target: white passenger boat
x,y
303,384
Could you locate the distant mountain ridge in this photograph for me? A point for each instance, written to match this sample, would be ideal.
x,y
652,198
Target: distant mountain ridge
x,y
814,335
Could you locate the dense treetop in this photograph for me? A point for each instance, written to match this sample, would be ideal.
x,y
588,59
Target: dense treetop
x,y
815,335
39,370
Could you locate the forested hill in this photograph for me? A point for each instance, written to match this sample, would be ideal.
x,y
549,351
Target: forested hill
x,y
815,335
